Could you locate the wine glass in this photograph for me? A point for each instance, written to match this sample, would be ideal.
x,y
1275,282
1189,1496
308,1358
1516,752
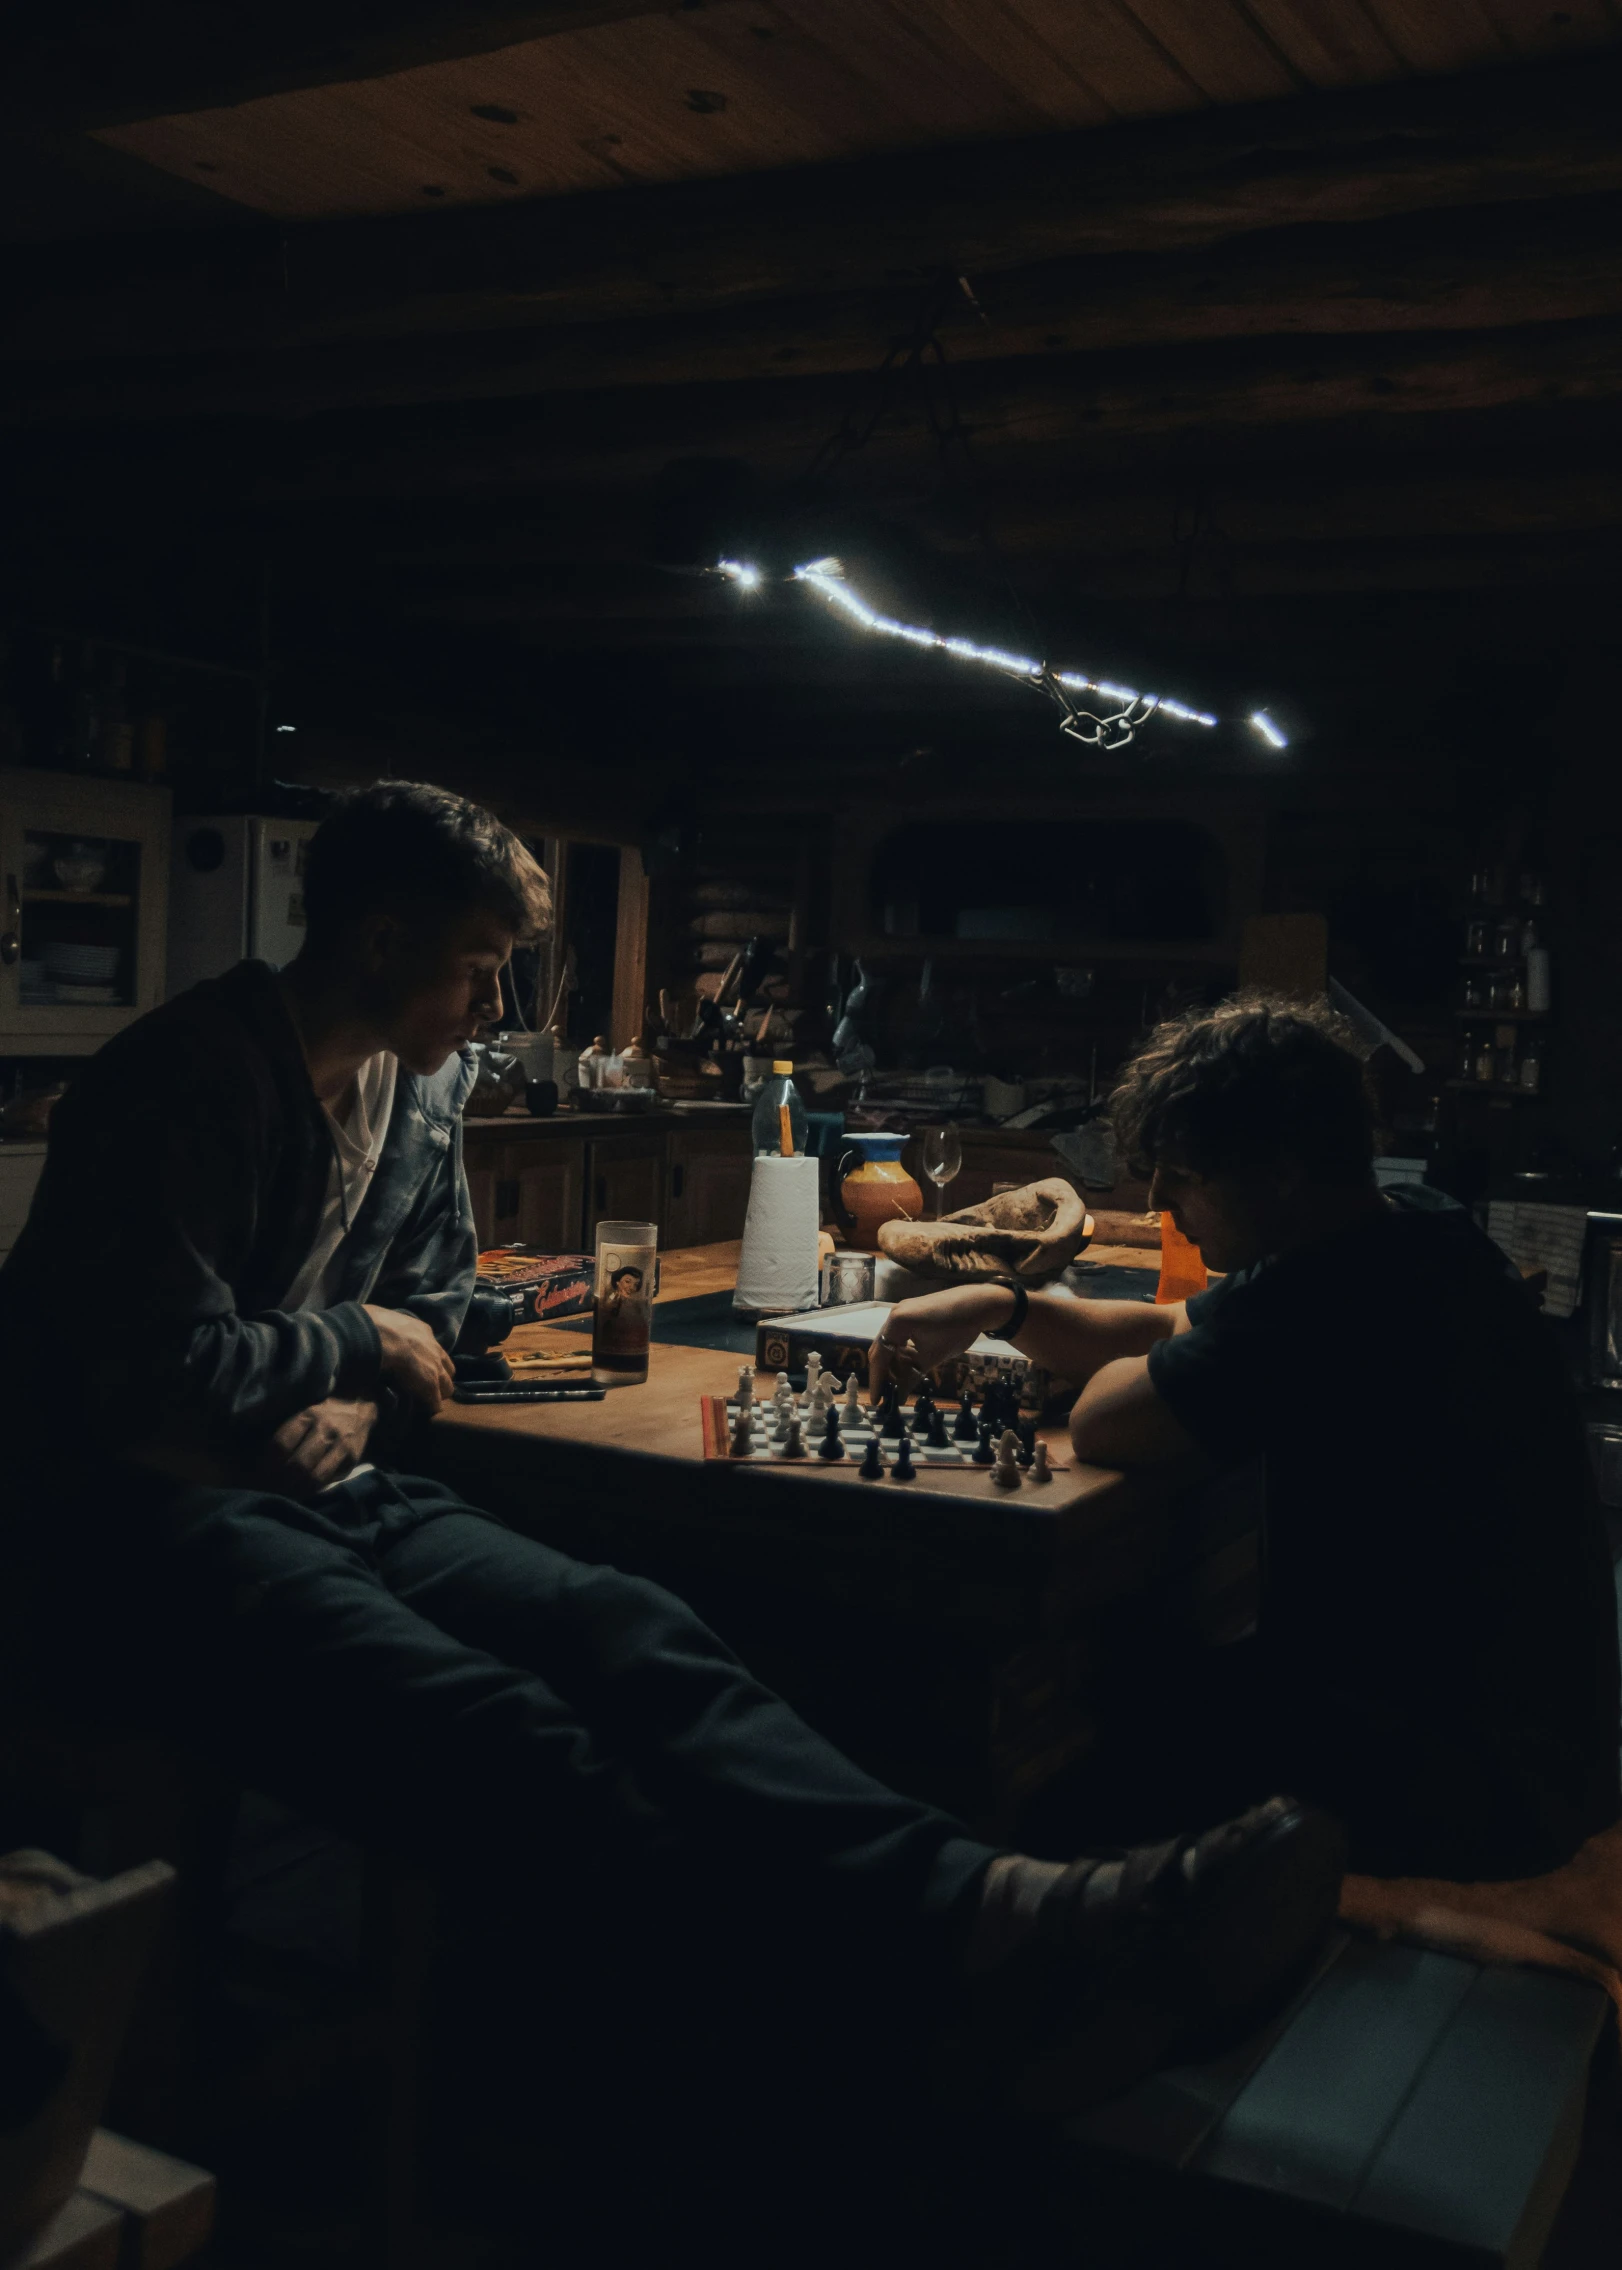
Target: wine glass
x,y
941,1156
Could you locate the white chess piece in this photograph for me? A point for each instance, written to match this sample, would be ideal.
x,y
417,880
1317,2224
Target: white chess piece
x,y
746,1386
853,1406
1041,1471
743,1433
1005,1474
813,1372
781,1388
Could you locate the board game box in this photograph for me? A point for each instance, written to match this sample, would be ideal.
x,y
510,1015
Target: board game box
x,y
842,1337
541,1286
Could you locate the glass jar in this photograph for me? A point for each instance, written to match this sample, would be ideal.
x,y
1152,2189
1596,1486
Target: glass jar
x,y
1475,941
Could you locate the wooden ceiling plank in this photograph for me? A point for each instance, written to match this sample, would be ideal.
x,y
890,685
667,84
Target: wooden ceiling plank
x,y
1329,43
1440,35
1115,55
1218,49
927,83
1002,37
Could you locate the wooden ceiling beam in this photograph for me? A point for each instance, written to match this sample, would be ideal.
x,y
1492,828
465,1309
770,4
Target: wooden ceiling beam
x,y
1071,412
1442,272
888,225
92,63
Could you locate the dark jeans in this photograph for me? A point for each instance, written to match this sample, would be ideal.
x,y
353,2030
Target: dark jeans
x,y
406,1668
688,1941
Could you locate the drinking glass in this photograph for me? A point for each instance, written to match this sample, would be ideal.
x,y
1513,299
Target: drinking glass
x,y
941,1156
627,1279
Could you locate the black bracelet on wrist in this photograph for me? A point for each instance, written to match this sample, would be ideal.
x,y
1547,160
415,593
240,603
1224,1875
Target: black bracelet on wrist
x,y
1016,1315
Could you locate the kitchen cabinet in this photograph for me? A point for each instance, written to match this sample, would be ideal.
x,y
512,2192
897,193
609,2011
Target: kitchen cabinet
x,y
706,1185
84,886
625,1181
527,1194
547,1183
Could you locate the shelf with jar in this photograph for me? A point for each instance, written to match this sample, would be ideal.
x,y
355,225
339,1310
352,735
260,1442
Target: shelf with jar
x,y
1505,985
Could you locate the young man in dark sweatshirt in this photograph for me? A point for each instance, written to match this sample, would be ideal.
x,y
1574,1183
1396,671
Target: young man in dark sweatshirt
x,y
1436,1652
251,1246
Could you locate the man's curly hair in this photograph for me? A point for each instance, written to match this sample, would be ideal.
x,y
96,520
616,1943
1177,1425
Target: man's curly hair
x,y
1257,1079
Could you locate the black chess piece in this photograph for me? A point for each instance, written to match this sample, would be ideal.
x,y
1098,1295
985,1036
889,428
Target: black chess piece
x,y
923,1410
985,1453
872,1466
937,1437
830,1446
891,1425
965,1429
903,1470
1026,1453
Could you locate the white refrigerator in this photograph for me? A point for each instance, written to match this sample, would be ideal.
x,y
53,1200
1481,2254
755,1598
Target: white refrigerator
x,y
236,888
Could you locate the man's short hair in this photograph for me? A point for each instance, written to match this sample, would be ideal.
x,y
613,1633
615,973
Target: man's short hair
x,y
1256,1080
417,850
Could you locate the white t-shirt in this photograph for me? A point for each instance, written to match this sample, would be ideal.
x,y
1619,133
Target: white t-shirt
x,y
359,1127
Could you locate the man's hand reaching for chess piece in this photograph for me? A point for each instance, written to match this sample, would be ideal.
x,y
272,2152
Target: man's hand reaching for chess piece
x,y
919,1334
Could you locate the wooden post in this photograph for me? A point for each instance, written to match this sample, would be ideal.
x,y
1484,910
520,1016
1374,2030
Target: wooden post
x,y
630,950
1285,953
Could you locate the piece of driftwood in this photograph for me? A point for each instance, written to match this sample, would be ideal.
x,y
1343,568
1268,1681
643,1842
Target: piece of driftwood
x,y
72,1952
1034,1232
1127,1229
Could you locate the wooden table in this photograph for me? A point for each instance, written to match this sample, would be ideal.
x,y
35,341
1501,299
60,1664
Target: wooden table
x,y
958,1606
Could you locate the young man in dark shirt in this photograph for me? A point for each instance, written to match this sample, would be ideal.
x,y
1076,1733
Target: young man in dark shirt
x,y
251,1242
1436,1651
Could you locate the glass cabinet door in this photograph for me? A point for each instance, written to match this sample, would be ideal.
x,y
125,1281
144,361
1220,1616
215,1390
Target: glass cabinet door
x,y
83,870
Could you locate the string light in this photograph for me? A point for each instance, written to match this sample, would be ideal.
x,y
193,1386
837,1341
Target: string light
x,y
1131,709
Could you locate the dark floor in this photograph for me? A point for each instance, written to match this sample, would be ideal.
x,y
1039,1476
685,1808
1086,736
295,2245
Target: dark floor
x,y
582,2105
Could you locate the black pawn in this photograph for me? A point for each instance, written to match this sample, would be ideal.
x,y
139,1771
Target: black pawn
x,y
937,1437
830,1446
903,1470
965,1429
924,1409
891,1426
1026,1453
872,1466
984,1453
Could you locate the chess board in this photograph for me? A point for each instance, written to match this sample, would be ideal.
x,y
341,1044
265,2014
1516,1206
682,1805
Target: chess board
x,y
855,1438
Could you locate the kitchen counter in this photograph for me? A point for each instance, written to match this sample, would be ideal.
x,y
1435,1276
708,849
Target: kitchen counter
x,y
565,1123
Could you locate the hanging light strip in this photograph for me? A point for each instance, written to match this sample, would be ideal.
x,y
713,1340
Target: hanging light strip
x,y
827,578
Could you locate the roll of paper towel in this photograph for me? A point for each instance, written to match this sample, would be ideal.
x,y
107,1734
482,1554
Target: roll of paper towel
x,y
777,1269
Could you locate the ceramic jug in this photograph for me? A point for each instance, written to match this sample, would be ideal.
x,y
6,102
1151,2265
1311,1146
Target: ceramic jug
x,y
877,1189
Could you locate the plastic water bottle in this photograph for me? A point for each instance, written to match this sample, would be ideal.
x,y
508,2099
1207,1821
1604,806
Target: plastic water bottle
x,y
778,1125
